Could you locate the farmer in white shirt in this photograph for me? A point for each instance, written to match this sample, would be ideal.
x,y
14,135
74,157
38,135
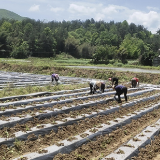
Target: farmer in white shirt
x,y
94,85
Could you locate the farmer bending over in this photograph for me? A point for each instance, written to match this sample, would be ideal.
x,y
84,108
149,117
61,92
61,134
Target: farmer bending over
x,y
134,82
55,77
114,81
119,90
94,85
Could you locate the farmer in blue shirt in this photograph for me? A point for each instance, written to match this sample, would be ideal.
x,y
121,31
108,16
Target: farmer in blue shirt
x,y
119,90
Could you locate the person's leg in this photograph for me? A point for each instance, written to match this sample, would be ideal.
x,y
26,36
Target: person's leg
x,y
125,92
56,81
94,89
134,83
119,98
102,87
91,88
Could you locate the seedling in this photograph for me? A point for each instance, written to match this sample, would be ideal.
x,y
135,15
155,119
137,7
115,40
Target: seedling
x,y
136,139
27,128
6,133
129,145
120,151
18,144
2,108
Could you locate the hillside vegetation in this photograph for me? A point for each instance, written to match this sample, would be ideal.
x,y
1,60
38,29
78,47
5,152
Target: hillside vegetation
x,y
101,42
10,15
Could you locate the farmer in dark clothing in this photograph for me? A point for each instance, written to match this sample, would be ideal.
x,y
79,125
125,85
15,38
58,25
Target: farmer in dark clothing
x,y
119,90
114,81
134,82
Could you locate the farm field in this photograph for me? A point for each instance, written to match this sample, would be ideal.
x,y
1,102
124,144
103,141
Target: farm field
x,y
18,79
73,124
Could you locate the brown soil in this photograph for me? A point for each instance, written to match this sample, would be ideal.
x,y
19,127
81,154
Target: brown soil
x,y
9,132
151,151
103,144
59,106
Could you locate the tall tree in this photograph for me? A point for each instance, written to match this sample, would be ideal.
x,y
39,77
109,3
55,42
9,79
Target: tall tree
x,y
47,43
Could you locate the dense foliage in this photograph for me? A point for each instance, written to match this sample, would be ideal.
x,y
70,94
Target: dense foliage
x,y
97,40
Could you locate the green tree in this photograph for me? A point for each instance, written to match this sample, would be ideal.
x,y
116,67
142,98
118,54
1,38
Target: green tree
x,y
4,46
123,29
132,45
6,26
20,51
86,50
122,55
28,28
71,47
46,43
104,53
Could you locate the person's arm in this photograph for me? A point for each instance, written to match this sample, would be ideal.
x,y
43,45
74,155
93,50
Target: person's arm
x,y
94,87
112,82
100,88
138,82
57,77
98,85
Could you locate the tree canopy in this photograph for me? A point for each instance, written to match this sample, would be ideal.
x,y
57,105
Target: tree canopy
x,y
97,40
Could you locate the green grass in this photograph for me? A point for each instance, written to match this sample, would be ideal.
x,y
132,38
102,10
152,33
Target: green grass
x,y
63,60
6,92
50,62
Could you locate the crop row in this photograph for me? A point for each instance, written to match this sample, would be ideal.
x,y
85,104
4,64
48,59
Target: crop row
x,y
45,135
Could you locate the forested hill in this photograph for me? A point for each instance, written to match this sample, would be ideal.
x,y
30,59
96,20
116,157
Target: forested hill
x,y
103,42
10,15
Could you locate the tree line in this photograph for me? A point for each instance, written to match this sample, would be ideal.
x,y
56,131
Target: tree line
x,y
103,42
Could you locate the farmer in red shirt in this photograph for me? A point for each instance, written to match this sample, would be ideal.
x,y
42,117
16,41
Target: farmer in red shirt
x,y
135,82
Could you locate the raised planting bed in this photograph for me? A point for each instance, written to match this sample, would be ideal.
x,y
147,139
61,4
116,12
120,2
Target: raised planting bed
x,y
76,125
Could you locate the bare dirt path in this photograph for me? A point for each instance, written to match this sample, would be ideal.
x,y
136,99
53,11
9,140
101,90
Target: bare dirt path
x,y
120,69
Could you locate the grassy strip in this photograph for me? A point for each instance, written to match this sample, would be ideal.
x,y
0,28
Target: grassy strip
x,y
65,60
32,89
